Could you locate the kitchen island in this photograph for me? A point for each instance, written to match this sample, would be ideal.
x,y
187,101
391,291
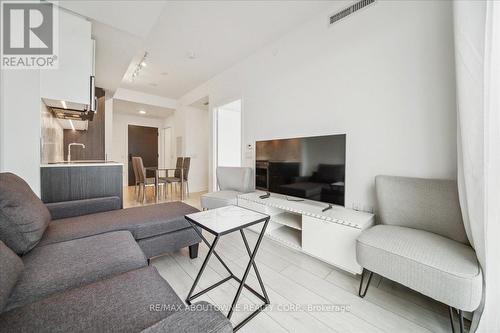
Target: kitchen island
x,y
77,180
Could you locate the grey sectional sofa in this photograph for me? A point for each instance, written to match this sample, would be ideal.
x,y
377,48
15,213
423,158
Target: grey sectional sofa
x,y
90,273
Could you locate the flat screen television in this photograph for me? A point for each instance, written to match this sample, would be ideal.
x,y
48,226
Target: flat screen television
x,y
311,168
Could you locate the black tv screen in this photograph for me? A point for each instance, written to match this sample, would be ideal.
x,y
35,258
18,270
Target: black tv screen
x,y
312,168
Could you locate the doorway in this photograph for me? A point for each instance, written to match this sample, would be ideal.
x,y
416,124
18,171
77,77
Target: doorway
x,y
166,154
142,142
228,152
227,138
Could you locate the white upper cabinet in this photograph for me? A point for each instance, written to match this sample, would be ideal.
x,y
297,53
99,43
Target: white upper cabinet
x,y
71,81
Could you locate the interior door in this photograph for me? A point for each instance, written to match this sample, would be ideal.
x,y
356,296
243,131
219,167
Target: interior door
x,y
142,142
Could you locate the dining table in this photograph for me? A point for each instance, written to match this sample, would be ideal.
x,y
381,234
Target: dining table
x,y
157,171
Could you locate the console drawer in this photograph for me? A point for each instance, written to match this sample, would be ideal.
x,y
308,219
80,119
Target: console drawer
x,y
332,242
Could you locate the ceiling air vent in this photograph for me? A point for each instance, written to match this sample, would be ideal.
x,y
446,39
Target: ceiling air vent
x,y
350,10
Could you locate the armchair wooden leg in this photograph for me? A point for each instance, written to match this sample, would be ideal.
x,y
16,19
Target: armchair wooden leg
x,y
362,293
193,250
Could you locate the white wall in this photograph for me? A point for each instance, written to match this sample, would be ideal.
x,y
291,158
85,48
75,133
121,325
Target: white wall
x,y
196,134
20,124
384,76
20,111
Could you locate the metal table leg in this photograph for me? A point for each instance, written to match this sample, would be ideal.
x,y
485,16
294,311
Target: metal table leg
x,y
242,284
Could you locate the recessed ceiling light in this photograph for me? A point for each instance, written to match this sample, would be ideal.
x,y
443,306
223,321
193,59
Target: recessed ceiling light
x,y
142,112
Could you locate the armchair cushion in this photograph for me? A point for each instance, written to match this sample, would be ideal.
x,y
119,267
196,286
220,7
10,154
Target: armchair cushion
x,y
65,209
23,216
427,204
441,268
219,199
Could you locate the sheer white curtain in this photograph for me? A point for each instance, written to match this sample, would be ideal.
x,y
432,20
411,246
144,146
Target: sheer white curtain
x,y
477,57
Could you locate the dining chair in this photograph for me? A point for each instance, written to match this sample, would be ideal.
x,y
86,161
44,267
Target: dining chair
x,y
186,166
177,174
136,175
143,180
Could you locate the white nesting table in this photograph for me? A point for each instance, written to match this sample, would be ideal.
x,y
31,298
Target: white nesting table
x,y
219,222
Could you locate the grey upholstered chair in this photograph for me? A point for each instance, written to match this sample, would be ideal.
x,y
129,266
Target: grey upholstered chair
x,y
142,180
176,178
136,175
232,182
421,243
184,164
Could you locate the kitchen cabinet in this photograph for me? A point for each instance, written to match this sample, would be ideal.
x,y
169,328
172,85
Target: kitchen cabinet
x,y
71,81
79,181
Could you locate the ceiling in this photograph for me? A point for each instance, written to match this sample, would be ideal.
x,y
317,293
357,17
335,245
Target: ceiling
x,y
188,42
132,108
201,104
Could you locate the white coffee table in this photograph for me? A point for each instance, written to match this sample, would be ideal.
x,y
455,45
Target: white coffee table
x,y
219,222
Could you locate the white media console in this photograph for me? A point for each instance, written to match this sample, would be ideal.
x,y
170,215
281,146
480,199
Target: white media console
x,y
329,236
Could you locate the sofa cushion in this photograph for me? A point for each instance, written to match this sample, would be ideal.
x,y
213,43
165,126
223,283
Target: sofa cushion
x,y
11,267
142,222
219,199
23,216
65,209
124,303
161,244
433,265
58,267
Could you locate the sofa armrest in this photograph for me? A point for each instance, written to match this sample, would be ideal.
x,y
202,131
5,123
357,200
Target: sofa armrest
x,y
200,317
64,209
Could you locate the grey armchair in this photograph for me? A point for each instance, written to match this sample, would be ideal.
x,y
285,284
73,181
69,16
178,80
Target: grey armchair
x,y
232,182
421,243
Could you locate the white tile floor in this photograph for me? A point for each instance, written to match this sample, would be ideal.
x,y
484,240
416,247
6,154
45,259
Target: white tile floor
x,y
302,291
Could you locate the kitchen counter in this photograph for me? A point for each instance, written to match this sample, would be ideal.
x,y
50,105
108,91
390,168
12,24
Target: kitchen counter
x,y
80,163
78,180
